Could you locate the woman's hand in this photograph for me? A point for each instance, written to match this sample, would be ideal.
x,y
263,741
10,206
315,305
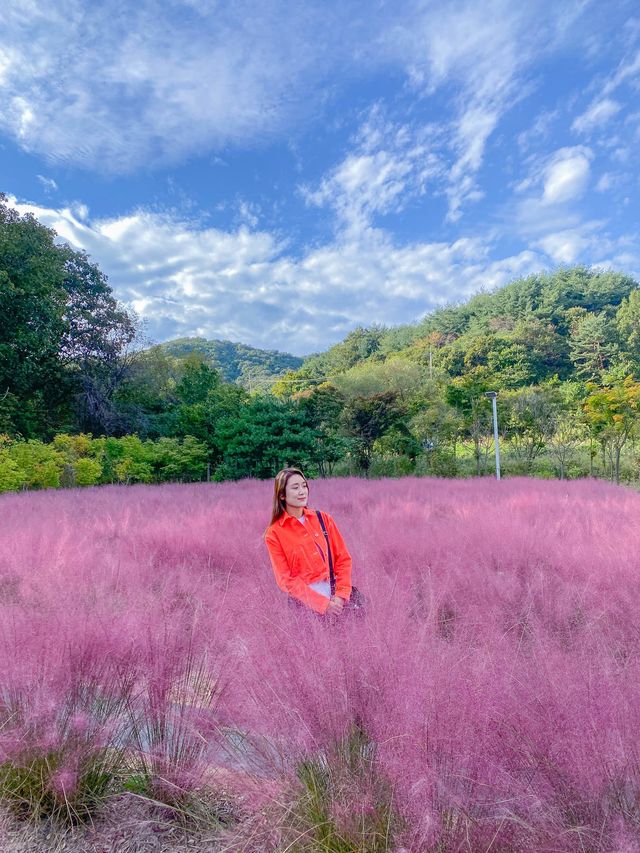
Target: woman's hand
x,y
335,606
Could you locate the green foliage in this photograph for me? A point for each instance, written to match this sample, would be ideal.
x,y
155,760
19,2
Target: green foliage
x,y
41,464
399,375
612,414
592,345
367,419
28,788
197,382
263,437
359,345
84,461
28,785
530,422
88,472
32,303
12,477
62,334
184,460
628,326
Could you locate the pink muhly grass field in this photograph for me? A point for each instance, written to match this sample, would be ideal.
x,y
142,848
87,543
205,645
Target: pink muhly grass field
x,y
495,677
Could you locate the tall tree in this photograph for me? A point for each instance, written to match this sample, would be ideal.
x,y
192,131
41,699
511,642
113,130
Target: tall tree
x,y
63,336
367,419
592,345
466,393
262,437
531,420
628,323
612,414
95,343
33,389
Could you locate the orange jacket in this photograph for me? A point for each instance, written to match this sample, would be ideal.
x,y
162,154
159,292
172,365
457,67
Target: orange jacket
x,y
298,555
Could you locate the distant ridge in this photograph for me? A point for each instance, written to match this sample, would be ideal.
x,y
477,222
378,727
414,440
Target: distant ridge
x,y
253,368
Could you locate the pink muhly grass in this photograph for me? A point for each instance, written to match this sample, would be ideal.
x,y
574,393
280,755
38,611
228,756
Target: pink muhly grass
x,y
496,673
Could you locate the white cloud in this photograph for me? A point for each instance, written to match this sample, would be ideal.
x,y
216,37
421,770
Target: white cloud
x,y
48,184
111,89
606,182
628,69
589,243
540,129
565,247
567,175
185,279
89,85
390,166
598,114
482,52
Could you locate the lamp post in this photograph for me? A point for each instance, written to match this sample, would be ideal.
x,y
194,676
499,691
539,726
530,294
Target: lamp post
x,y
492,396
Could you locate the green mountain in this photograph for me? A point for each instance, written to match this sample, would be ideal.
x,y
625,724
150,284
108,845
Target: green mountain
x,y
252,368
574,323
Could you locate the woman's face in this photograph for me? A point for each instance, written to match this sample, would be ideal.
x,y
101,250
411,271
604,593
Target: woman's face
x,y
296,491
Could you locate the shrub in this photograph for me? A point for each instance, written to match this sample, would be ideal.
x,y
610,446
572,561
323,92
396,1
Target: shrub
x,y
11,475
87,471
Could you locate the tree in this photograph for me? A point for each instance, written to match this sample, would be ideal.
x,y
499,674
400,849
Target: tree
x,y
63,336
531,420
400,375
466,394
198,380
322,407
592,345
567,427
32,305
612,413
628,323
367,419
95,343
264,436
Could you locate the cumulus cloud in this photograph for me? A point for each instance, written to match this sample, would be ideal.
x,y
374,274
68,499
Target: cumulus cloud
x,y
242,285
565,247
589,242
567,175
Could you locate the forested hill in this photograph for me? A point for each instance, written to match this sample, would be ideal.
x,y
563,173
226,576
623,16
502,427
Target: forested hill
x,y
563,350
249,367
573,323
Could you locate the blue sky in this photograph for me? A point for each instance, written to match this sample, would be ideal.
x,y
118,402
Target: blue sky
x,y
279,173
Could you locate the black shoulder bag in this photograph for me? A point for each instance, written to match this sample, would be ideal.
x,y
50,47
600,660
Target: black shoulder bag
x,y
356,600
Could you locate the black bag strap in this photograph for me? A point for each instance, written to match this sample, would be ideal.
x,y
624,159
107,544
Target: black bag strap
x,y
332,577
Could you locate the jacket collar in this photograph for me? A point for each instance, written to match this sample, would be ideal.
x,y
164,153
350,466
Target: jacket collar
x,y
285,515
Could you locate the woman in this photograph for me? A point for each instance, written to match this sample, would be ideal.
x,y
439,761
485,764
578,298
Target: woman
x,y
297,547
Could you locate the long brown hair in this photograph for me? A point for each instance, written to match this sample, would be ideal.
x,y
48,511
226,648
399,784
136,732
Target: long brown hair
x,y
279,488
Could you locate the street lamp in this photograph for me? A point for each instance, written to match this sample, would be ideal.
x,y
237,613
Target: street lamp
x,y
492,396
